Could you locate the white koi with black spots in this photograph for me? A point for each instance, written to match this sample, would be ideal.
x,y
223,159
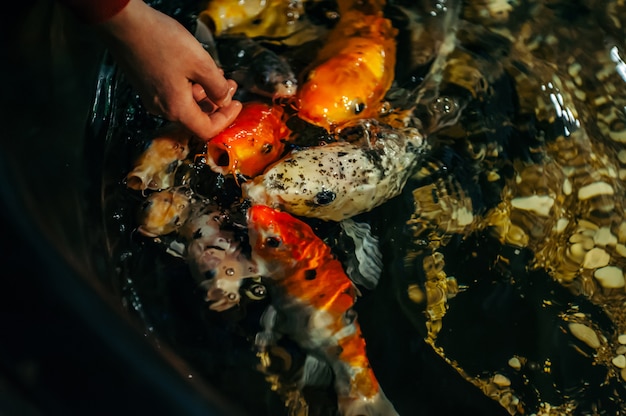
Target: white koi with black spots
x,y
342,179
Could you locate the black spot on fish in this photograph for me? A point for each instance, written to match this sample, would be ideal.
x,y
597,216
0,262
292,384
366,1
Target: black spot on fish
x,y
324,197
197,234
310,274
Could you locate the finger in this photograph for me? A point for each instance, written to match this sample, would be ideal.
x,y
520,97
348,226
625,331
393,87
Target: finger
x,y
199,95
198,92
218,89
206,125
232,88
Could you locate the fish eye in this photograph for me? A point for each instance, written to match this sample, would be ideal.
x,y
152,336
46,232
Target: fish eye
x,y
324,197
272,242
146,205
359,107
266,148
256,292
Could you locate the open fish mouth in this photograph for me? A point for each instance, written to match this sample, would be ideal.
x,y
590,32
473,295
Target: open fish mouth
x,y
218,299
222,304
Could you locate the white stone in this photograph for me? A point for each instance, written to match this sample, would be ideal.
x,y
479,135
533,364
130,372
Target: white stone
x,y
539,204
501,380
586,241
567,187
610,277
587,227
560,225
596,257
576,252
622,339
515,363
621,233
585,334
604,237
595,189
619,361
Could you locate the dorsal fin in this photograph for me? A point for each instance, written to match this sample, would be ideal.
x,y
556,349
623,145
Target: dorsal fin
x,y
369,264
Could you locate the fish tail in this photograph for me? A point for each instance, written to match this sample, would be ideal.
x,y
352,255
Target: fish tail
x,y
377,405
358,390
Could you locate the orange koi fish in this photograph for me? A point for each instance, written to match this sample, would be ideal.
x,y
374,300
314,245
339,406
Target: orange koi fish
x,y
352,72
253,141
314,297
156,167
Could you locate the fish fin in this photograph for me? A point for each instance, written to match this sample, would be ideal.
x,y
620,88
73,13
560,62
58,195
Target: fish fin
x,y
267,337
176,248
315,372
204,35
369,264
378,405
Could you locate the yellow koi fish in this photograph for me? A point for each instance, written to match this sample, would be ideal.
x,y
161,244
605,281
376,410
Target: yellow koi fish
x,y
352,72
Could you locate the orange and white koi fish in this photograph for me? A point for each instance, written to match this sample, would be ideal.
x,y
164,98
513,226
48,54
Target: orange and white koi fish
x,y
252,142
352,72
314,299
163,212
156,167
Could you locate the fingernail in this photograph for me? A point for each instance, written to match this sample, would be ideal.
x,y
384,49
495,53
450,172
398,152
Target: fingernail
x,y
228,98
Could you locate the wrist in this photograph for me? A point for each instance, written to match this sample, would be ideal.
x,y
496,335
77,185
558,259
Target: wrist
x,y
127,24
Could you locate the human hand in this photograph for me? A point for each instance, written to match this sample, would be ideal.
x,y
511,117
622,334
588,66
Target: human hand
x,y
173,74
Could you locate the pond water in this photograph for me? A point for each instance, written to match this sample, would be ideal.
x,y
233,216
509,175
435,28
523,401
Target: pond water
x,y
502,287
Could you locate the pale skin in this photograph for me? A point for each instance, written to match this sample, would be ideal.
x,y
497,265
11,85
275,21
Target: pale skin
x,y
173,74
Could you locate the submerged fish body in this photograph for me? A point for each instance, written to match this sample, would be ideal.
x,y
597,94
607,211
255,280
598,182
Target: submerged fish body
x,y
315,298
155,168
256,68
352,72
341,179
252,142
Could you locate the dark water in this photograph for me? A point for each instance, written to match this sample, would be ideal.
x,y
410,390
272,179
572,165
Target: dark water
x,y
496,253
